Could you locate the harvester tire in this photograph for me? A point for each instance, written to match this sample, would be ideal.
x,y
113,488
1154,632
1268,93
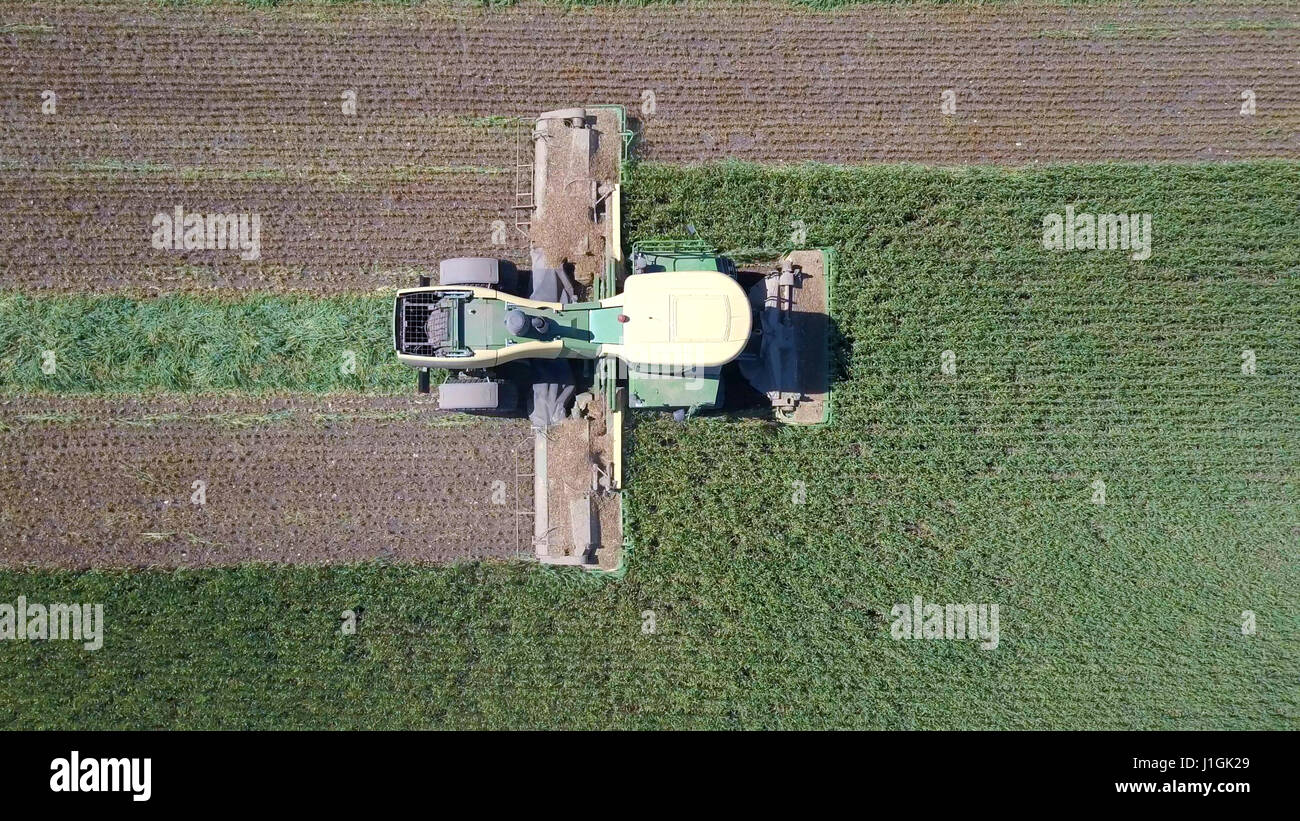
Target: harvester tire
x,y
482,272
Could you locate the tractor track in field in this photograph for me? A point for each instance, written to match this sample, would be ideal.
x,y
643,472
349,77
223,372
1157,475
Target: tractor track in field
x,y
109,482
222,108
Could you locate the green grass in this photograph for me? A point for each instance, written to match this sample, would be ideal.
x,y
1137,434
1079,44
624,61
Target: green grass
x,y
27,28
188,344
967,488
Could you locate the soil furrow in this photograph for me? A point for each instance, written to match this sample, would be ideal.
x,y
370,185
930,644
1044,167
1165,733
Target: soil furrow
x,y
112,483
82,232
764,82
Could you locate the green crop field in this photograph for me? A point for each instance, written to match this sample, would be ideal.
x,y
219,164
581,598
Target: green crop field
x,y
767,559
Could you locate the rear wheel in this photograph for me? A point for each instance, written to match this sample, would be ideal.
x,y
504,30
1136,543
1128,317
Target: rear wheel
x,y
482,272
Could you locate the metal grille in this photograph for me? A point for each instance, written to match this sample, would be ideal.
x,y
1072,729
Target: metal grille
x,y
424,325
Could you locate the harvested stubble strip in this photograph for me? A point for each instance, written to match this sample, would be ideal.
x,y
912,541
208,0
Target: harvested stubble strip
x,y
96,483
76,229
1035,82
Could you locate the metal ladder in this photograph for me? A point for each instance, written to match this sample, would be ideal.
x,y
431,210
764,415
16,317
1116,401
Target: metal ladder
x,y
525,196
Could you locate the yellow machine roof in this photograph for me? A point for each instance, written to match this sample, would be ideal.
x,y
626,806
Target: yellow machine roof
x,y
683,318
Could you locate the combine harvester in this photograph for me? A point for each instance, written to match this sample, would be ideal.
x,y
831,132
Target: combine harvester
x,y
579,339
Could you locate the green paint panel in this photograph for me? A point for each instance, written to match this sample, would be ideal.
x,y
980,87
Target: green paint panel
x,y
484,323
653,391
605,327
